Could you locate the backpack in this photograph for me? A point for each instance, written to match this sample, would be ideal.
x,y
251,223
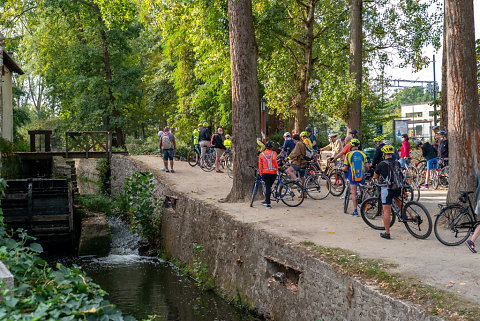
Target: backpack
x,y
395,176
309,153
212,143
166,142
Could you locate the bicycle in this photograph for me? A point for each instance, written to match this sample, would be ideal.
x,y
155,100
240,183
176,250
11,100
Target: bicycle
x,y
291,193
315,180
208,161
413,214
455,222
227,162
364,191
193,156
335,175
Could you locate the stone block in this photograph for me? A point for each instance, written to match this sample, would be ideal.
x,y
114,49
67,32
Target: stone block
x,y
6,276
95,237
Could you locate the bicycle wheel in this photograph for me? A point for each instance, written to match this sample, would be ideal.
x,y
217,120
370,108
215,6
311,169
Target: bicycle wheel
x,y
291,193
407,194
254,192
230,168
415,189
443,177
421,169
372,213
417,220
192,158
453,225
337,183
411,174
346,200
317,186
209,162
434,178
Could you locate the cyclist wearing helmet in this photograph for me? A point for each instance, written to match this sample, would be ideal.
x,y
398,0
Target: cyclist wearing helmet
x,y
354,165
335,144
228,142
297,156
268,167
306,140
312,137
217,143
436,137
354,134
378,157
443,147
288,145
428,152
204,138
383,172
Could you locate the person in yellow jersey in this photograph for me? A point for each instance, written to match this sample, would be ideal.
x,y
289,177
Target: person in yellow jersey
x,y
306,140
196,141
228,142
355,166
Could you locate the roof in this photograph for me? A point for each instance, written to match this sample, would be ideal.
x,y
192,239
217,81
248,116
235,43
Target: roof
x,y
11,64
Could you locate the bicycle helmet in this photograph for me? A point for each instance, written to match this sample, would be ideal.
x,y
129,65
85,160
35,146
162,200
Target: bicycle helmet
x,y
309,129
378,139
205,124
269,144
355,142
388,149
287,134
303,134
442,132
353,131
200,125
227,136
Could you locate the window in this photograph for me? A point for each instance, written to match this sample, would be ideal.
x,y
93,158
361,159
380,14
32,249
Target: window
x,y
413,115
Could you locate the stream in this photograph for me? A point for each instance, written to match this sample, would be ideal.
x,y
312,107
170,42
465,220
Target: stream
x,y
144,286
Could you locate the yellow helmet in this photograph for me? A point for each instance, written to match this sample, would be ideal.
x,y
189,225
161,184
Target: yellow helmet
x,y
378,139
227,136
388,149
355,142
303,134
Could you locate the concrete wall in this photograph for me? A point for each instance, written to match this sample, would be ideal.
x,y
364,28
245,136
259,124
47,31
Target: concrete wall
x,y
281,280
7,115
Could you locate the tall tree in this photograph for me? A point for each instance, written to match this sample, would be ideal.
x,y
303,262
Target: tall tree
x,y
463,110
444,97
245,100
354,113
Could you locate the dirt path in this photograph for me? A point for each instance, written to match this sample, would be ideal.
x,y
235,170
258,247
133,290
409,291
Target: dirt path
x,y
324,223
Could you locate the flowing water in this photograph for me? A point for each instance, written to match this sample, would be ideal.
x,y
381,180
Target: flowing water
x,y
142,286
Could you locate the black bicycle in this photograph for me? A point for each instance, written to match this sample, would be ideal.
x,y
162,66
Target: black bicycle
x,y
413,214
455,222
193,156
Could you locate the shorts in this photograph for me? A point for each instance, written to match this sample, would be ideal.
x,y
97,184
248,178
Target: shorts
x,y
404,161
355,183
219,152
168,154
432,163
388,195
300,169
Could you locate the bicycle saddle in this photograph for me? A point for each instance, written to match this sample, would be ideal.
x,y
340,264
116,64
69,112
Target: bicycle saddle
x,y
465,192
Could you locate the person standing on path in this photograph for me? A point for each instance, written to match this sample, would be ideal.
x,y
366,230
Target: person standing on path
x,y
378,156
297,156
268,167
335,145
169,148
385,172
217,143
344,151
312,137
443,147
354,134
195,141
428,152
204,138
405,151
355,166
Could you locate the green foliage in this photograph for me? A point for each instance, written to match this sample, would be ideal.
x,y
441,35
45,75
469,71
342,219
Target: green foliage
x,y
101,203
104,175
44,293
144,209
200,268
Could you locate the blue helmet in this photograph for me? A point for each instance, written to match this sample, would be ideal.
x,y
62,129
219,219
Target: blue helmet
x,y
442,132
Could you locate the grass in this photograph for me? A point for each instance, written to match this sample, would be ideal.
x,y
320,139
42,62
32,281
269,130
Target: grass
x,y
377,272
100,203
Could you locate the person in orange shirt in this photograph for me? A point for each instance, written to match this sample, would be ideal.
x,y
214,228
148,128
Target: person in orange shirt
x,y
268,167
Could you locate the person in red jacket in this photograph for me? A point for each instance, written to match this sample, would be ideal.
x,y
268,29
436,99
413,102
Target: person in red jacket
x,y
268,167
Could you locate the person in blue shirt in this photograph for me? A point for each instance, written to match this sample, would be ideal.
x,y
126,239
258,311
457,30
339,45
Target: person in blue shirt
x,y
355,166
312,137
288,145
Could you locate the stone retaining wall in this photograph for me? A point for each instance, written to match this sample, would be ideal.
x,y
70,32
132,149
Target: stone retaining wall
x,y
279,279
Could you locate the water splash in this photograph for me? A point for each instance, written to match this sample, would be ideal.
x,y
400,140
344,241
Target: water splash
x,y
124,240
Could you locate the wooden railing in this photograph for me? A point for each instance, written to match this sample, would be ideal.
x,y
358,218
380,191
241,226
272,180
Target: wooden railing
x,y
89,141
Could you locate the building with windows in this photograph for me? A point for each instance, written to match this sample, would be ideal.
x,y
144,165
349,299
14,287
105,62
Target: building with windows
x,y
417,120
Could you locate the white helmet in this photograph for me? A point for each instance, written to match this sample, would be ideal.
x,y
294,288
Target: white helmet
x,y
287,134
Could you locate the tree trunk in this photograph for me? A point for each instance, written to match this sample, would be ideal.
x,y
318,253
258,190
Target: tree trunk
x,y
245,99
120,141
444,106
354,112
463,109
299,104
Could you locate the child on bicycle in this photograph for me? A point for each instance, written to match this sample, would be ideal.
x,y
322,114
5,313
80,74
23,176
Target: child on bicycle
x,y
354,166
268,167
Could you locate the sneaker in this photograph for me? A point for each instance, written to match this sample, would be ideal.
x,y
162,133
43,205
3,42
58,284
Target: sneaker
x,y
264,203
385,235
268,207
167,171
471,246
219,171
164,169
426,186
172,171
355,213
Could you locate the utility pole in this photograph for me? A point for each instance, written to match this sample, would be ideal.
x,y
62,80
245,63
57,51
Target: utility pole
x,y
434,95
